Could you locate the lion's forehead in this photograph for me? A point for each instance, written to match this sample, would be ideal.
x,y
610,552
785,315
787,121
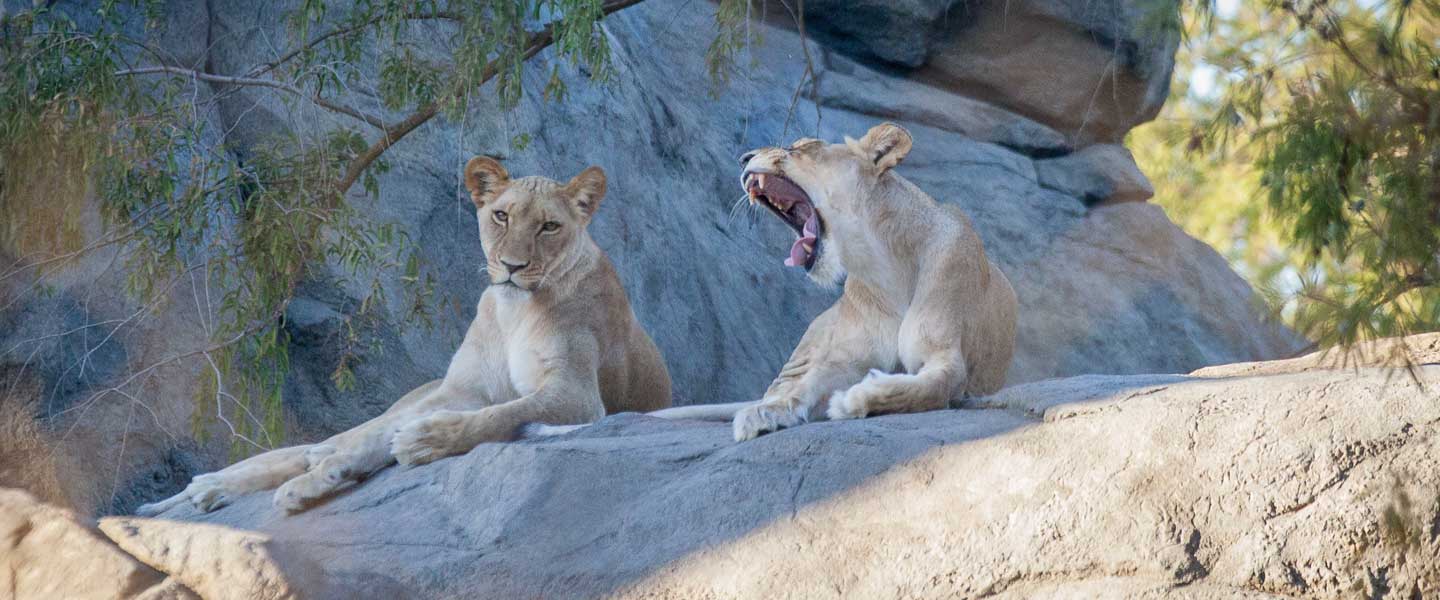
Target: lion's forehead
x,y
533,196
536,185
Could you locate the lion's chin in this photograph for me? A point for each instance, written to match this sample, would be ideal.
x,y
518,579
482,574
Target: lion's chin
x,y
825,267
511,284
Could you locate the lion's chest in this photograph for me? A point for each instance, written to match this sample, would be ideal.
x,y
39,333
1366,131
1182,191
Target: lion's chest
x,y
505,354
529,346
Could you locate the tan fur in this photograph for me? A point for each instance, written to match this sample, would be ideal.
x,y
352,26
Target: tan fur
x,y
925,317
554,340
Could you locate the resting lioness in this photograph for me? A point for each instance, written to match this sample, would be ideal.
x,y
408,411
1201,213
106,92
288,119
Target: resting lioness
x,y
553,341
924,319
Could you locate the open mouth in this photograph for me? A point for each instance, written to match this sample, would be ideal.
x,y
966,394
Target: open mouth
x,y
784,198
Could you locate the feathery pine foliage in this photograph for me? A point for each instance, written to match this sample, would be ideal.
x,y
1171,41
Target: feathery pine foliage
x,y
1312,163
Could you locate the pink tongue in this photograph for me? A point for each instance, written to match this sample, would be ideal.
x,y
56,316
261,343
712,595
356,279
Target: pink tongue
x,y
798,254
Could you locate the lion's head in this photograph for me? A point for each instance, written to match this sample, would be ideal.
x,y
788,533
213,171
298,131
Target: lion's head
x,y
530,227
821,191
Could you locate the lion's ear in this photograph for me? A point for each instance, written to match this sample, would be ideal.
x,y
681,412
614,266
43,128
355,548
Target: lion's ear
x,y
485,179
886,144
586,190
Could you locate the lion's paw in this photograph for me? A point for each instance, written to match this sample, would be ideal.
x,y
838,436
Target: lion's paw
x,y
297,494
846,404
428,438
854,403
152,508
759,419
208,494
336,469
317,453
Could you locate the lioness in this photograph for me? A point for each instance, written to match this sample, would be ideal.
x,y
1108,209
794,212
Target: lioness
x,y
553,340
924,318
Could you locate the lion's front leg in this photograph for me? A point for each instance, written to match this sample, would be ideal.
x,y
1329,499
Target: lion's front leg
x,y
444,433
791,403
834,354
358,456
567,395
211,491
791,398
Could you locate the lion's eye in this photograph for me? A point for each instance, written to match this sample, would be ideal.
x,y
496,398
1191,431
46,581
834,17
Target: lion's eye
x,y
550,227
500,216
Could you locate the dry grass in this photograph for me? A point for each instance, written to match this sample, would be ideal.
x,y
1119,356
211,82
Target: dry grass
x,y
48,197
28,459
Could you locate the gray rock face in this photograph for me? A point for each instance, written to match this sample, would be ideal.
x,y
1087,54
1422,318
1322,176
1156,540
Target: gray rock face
x,y
895,32
1091,486
1117,289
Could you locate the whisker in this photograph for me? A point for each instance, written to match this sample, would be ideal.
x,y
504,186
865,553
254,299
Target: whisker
x,y
738,206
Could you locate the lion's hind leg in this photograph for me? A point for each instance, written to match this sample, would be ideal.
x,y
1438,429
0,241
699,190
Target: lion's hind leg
x,y
257,473
928,389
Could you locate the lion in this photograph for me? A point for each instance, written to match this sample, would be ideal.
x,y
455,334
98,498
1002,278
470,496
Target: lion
x,y
554,341
924,319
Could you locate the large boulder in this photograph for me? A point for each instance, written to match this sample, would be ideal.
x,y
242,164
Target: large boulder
x,y
48,553
1396,354
1103,289
1317,484
222,563
1091,69
1099,174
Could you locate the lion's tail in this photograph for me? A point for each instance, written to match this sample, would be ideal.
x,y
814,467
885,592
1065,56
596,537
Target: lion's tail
x,y
698,412
702,412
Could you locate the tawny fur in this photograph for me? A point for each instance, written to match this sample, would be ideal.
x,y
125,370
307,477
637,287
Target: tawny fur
x,y
925,318
553,341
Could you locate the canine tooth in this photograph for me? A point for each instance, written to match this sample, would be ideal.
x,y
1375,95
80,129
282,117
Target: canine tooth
x,y
760,178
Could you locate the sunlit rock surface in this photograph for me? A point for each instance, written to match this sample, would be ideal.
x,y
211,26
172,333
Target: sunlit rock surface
x,y
1090,486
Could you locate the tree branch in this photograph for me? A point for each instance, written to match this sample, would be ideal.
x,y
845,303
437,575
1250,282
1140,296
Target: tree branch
x,y
373,120
287,57
538,41
1332,31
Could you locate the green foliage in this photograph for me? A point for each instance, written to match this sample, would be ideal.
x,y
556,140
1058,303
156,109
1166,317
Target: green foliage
x,y
180,203
1329,111
733,34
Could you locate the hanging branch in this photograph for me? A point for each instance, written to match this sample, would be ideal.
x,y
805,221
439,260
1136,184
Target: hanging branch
x,y
538,41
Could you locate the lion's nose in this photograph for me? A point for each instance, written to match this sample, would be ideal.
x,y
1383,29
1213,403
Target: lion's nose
x,y
745,158
513,267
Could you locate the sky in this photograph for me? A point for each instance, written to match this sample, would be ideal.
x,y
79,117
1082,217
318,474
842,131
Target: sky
x,y
1202,77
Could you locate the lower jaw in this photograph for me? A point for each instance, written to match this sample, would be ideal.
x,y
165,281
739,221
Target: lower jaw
x,y
814,260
